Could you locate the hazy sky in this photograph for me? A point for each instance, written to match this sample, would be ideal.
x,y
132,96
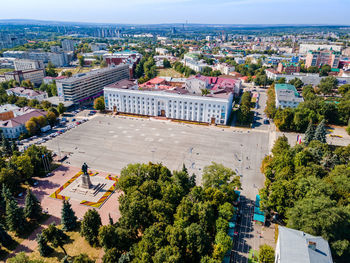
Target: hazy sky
x,y
178,11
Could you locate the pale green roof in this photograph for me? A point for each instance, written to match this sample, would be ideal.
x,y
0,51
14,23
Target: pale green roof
x,y
287,87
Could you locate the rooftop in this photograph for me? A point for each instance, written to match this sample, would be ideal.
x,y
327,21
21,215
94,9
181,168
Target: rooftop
x,y
22,119
298,246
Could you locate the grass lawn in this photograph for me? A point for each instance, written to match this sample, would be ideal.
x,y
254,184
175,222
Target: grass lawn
x,y
77,245
254,259
32,225
169,72
3,70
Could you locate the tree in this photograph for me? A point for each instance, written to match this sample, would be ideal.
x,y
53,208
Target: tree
x,y
31,127
32,207
56,237
111,256
82,258
297,83
81,61
216,175
99,104
22,258
5,239
69,74
320,132
43,248
325,69
50,70
14,147
6,146
68,218
266,254
328,84
51,118
343,89
60,108
313,69
310,133
103,64
15,219
166,63
90,226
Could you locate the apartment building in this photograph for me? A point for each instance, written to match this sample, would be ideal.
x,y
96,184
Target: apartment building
x,y
287,96
35,76
27,64
168,101
89,85
322,57
304,48
68,44
128,57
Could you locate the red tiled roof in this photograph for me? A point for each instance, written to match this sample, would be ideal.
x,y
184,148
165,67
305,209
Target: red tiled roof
x,y
21,120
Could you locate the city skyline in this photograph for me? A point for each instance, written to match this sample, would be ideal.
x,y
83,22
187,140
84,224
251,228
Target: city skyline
x,y
192,11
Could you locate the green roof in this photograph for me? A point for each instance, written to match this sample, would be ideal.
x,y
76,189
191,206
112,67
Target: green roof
x,y
287,87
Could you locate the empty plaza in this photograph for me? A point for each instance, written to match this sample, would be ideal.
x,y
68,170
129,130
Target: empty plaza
x,y
109,143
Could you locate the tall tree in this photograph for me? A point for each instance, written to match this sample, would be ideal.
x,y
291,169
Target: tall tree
x,y
43,248
56,237
266,254
5,239
90,226
320,132
32,207
68,218
99,104
6,146
310,133
15,219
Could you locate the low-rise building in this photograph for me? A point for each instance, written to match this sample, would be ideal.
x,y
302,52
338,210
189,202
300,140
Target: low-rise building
x,y
27,93
85,86
287,96
13,128
168,101
35,76
288,67
224,68
297,246
8,111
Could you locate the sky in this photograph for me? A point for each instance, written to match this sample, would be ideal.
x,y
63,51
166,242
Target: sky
x,y
330,12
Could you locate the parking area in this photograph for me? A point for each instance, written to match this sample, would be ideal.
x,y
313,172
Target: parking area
x,y
109,143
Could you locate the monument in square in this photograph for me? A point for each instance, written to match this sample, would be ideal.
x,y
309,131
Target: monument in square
x,y
85,177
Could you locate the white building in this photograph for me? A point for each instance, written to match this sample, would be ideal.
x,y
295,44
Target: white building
x,y
98,46
89,85
173,103
27,64
304,48
68,44
297,246
287,96
224,68
161,51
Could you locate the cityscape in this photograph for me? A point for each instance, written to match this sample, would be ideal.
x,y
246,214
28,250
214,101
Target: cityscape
x,y
175,136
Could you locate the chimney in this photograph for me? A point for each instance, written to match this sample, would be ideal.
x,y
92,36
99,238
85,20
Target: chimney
x,y
312,245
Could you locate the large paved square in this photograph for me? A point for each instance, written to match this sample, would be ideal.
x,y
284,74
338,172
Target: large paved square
x,y
109,143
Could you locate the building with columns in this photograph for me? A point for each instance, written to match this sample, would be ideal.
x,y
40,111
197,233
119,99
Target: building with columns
x,y
167,101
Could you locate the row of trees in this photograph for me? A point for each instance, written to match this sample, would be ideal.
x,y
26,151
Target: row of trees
x,y
314,109
16,167
307,187
244,114
146,69
166,218
179,67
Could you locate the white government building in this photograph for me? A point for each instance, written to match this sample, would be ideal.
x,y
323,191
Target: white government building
x,y
174,103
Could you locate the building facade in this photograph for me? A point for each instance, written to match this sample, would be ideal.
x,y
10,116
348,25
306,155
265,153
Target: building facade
x,y
26,64
35,76
172,103
287,96
27,93
89,85
68,44
288,68
322,57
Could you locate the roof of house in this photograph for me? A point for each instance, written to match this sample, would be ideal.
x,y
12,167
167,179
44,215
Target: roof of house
x,y
22,119
122,84
8,107
26,91
294,247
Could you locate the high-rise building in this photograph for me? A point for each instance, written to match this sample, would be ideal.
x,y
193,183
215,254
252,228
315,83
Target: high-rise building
x,y
322,57
27,64
68,44
85,86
